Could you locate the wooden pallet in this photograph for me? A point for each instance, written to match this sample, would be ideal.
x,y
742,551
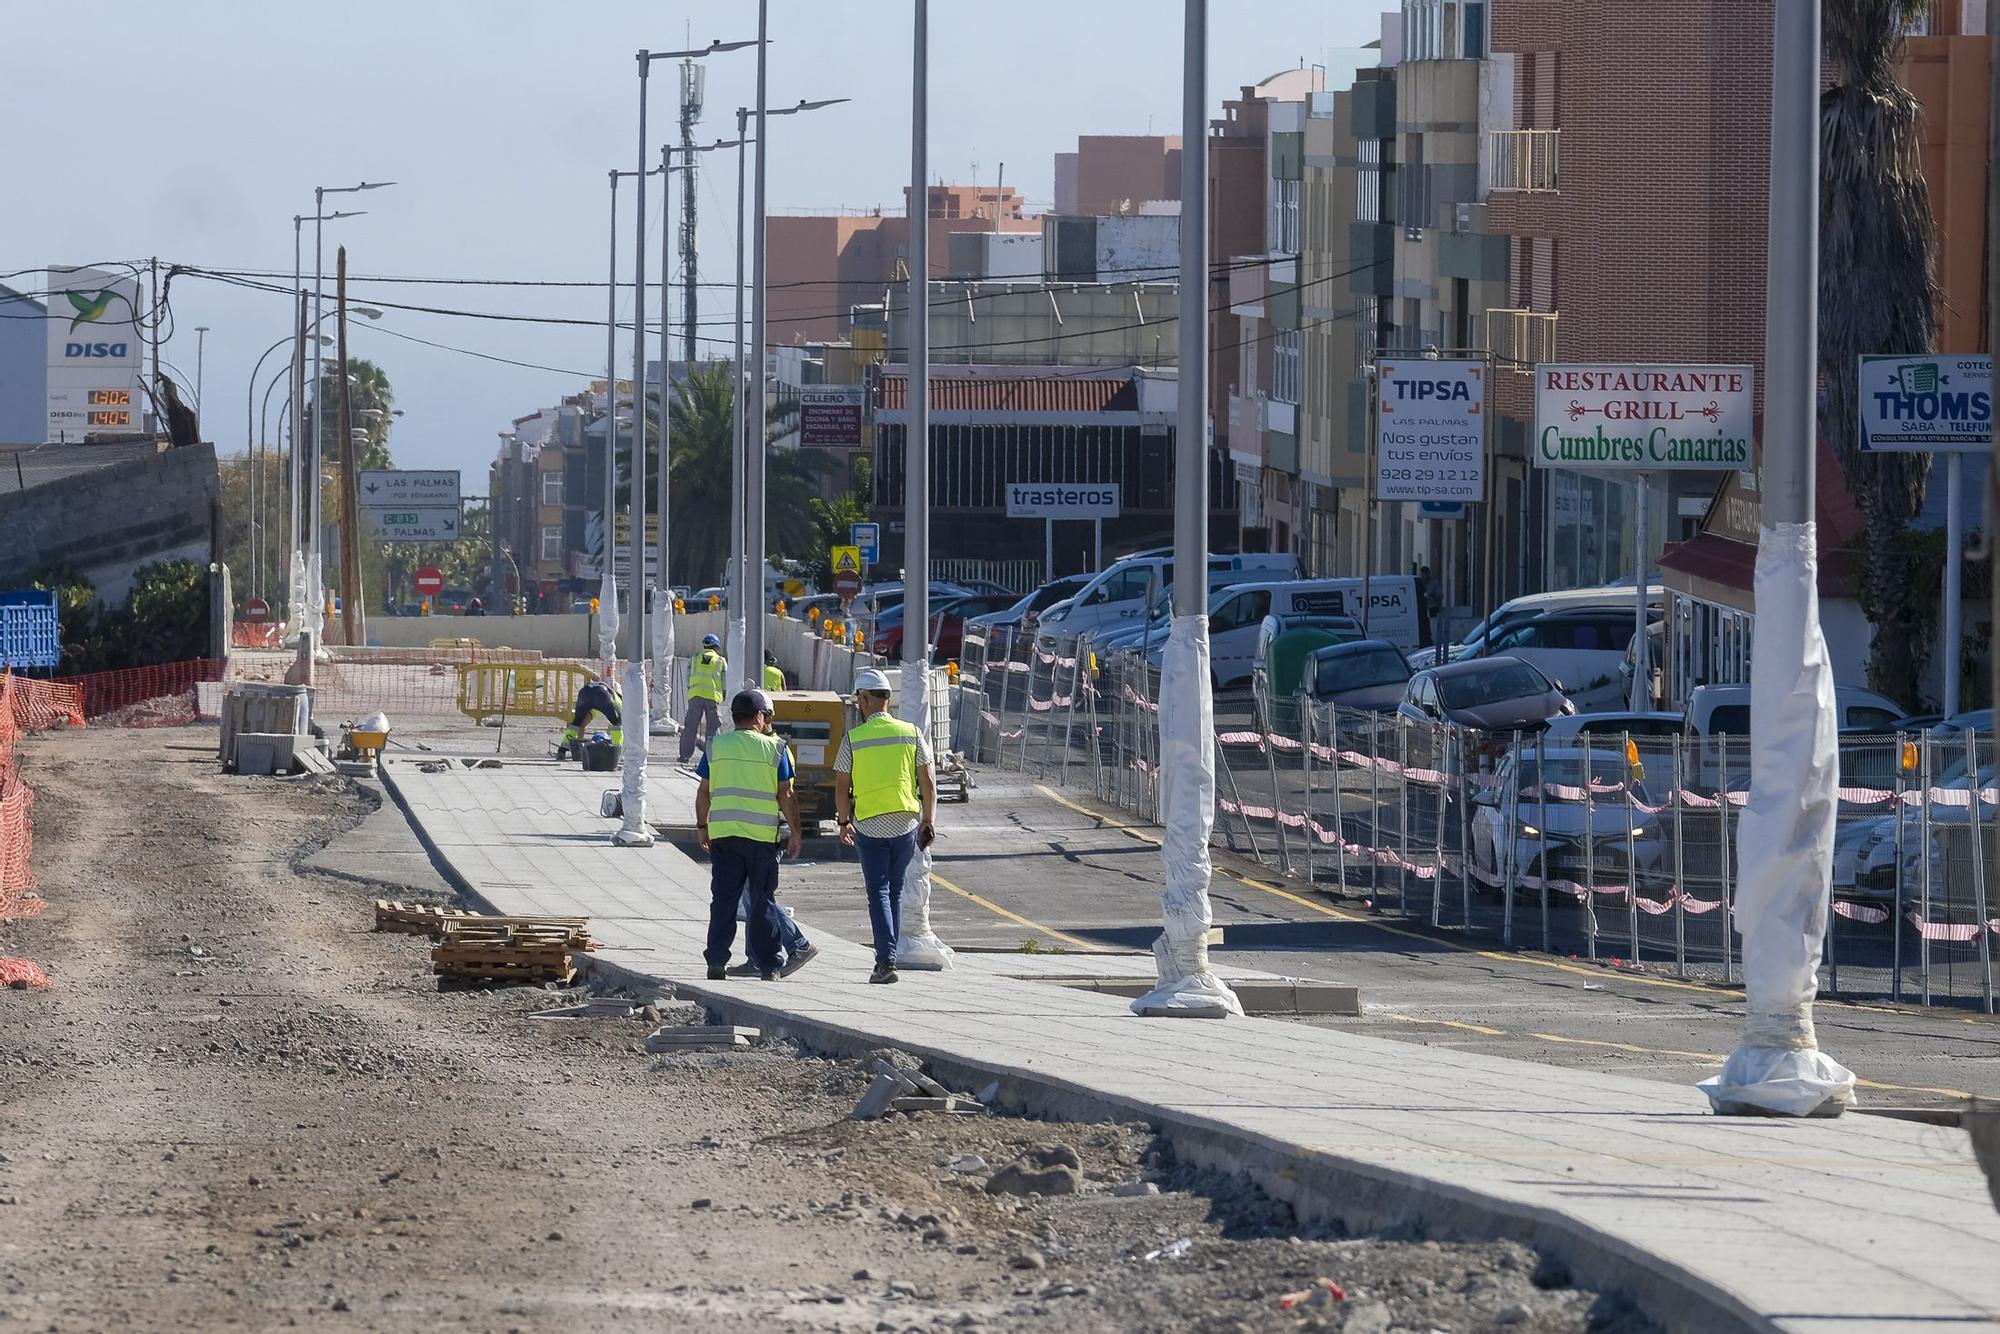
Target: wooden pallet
x,y
488,963
413,919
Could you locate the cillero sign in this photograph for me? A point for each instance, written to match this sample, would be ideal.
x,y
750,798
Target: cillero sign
x,y
1925,402
1062,500
1643,418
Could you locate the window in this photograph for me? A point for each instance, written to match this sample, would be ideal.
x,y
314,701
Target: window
x,y
552,543
552,488
1870,719
1415,208
1285,217
1472,26
1241,612
1368,187
1285,354
1125,586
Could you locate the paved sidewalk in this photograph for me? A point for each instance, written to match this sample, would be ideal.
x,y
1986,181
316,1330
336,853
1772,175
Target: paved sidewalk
x,y
1861,1223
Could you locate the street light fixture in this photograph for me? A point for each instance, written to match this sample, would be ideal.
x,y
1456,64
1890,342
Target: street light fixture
x,y
633,832
315,573
744,536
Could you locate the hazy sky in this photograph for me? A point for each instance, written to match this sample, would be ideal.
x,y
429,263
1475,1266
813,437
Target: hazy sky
x,y
200,127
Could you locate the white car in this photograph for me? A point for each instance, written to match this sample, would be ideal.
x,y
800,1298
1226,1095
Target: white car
x,y
1578,841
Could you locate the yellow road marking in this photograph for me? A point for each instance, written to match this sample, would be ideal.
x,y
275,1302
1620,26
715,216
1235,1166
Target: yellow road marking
x,y
1015,917
1502,957
1451,1023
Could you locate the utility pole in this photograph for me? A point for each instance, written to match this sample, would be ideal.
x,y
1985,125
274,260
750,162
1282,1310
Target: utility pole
x,y
200,350
155,304
694,80
351,619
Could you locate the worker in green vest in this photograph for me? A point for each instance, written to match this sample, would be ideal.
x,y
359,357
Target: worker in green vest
x,y
706,670
885,797
599,698
774,675
746,785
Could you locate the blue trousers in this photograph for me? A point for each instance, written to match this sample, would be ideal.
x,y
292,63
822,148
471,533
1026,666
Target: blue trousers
x,y
789,935
884,861
739,866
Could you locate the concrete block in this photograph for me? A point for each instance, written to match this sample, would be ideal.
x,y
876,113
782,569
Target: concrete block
x,y
884,1091
696,1037
312,760
266,753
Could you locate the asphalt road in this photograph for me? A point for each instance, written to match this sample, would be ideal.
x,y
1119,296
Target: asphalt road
x,y
1020,864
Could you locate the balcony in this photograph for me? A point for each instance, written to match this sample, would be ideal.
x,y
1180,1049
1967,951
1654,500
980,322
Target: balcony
x,y
1524,161
1521,339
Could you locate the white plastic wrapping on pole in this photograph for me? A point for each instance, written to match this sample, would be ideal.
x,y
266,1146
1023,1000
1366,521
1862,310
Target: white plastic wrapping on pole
x,y
1186,987
607,611
662,704
1785,851
633,832
917,946
1187,810
732,649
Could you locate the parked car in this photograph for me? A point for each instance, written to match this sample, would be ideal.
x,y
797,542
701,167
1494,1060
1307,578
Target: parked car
x,y
1500,694
1127,588
1283,644
1363,674
1581,651
1479,638
1002,628
1725,711
1866,851
1566,729
948,620
1564,836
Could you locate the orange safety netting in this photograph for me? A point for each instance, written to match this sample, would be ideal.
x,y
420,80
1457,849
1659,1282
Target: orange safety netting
x,y
25,706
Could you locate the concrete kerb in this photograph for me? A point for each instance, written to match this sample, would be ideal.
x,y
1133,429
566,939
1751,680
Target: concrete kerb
x,y
1320,1187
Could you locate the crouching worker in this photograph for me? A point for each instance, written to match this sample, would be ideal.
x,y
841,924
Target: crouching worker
x,y
598,698
746,784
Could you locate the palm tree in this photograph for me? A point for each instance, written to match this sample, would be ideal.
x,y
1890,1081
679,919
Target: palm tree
x,y
702,448
1877,294
371,402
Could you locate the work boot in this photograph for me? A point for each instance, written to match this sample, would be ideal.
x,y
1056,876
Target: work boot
x,y
767,976
716,973
883,973
745,969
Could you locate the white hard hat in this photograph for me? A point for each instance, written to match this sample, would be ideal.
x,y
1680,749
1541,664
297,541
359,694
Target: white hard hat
x,y
871,678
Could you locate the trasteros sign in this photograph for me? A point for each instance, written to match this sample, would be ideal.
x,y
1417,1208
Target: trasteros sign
x,y
1643,418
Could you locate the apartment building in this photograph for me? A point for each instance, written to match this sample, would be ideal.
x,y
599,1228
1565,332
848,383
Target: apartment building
x,y
1118,173
1256,176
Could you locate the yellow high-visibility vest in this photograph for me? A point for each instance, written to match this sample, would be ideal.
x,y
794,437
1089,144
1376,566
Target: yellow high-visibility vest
x,y
885,753
743,786
774,677
705,675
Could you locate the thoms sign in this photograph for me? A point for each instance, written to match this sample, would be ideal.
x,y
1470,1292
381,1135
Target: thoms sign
x,y
1643,418
1926,402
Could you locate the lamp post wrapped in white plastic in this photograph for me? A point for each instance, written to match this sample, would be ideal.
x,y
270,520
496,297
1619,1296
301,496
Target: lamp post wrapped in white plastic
x,y
1785,867
1187,712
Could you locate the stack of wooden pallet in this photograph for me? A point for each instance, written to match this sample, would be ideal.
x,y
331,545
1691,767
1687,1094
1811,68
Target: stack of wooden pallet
x,y
476,947
511,950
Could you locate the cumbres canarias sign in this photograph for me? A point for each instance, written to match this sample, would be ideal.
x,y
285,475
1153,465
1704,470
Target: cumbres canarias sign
x,y
1643,418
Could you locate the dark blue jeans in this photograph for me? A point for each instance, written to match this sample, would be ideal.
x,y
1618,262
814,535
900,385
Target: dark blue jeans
x,y
739,866
883,864
789,935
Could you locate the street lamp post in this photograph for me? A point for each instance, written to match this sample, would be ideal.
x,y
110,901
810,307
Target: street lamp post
x,y
315,570
295,592
662,703
1186,986
200,351
633,832
250,439
1785,852
607,584
755,428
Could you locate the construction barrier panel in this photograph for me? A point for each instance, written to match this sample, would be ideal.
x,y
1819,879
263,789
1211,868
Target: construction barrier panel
x,y
541,690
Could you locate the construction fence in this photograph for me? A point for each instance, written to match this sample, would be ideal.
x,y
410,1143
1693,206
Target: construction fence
x,y
25,706
1617,849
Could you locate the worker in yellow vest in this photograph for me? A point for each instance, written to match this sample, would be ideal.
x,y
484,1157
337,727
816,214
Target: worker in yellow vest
x,y
746,785
774,675
885,797
599,698
706,670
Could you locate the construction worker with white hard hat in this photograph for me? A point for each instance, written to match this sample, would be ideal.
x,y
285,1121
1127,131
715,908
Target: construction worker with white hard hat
x,y
706,670
746,786
885,797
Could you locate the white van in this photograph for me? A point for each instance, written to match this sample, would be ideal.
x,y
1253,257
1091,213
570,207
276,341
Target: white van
x,y
1478,640
1237,611
1120,594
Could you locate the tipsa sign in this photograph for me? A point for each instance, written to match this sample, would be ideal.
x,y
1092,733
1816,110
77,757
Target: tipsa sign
x,y
1643,418
1062,500
1926,402
1430,436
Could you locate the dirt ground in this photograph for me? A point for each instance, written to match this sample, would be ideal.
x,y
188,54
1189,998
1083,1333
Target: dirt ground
x,y
239,1108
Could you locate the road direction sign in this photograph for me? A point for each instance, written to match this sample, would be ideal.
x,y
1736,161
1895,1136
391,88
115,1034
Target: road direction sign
x,y
428,581
1926,402
408,488
429,523
867,536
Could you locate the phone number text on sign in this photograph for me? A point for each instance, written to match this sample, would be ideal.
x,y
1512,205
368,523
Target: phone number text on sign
x,y
1430,438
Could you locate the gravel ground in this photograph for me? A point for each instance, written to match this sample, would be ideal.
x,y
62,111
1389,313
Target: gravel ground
x,y
241,1108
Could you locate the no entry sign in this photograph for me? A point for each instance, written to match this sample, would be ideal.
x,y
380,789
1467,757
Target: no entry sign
x,y
428,581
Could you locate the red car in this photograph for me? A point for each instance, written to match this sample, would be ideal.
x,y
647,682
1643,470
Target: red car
x,y
948,617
